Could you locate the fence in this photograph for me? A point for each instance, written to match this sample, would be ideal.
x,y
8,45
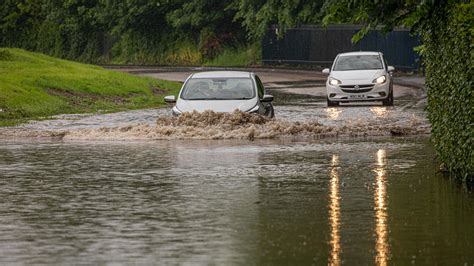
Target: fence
x,y
320,45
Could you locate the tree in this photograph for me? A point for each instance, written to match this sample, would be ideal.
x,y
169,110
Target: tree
x,y
384,13
258,16
18,20
213,30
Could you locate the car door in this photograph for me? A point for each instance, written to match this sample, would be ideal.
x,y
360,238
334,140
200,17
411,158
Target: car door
x,y
389,74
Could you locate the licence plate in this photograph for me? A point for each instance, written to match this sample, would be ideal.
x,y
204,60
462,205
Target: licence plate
x,y
357,96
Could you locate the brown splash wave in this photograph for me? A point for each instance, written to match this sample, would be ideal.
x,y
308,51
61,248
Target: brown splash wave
x,y
236,125
239,125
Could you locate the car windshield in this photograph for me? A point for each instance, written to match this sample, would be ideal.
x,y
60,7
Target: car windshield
x,y
219,89
358,62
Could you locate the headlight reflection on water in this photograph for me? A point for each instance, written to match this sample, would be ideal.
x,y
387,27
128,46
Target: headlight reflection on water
x,y
379,111
334,212
333,113
380,197
382,248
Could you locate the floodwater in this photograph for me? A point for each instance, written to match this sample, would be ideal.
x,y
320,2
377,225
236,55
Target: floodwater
x,y
305,119
346,185
355,201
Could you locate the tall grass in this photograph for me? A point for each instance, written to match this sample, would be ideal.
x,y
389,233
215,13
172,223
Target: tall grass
x,y
236,57
182,52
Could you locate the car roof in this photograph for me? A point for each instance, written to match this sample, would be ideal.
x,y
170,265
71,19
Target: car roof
x,y
360,53
222,74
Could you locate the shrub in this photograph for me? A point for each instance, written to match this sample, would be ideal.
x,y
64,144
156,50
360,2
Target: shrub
x,y
5,55
448,54
236,57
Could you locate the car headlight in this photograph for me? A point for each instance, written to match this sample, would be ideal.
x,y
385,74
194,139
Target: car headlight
x,y
334,81
253,109
380,80
175,111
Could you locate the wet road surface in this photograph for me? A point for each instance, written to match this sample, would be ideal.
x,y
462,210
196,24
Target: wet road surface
x,y
292,81
299,97
337,200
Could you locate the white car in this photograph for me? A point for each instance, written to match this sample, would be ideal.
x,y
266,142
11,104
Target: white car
x,y
223,91
359,76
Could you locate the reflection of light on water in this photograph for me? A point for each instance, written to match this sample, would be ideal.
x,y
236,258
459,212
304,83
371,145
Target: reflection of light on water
x,y
333,113
379,111
381,227
334,212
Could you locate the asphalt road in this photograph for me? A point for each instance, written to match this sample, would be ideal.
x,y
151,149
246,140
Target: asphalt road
x,y
305,82
299,97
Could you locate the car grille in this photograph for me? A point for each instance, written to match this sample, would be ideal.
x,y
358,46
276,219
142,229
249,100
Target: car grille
x,y
357,88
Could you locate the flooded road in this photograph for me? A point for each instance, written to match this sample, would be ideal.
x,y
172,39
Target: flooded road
x,y
299,103
345,185
355,201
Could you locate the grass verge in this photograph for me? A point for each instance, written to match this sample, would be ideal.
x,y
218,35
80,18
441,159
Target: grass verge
x,y
35,86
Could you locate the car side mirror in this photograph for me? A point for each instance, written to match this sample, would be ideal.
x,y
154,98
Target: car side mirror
x,y
326,71
170,99
390,69
267,98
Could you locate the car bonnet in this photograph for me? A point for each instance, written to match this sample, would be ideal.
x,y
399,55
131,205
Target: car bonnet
x,y
357,76
216,105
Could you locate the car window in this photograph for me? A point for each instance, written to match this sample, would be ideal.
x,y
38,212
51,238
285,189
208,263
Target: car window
x,y
218,89
260,87
358,62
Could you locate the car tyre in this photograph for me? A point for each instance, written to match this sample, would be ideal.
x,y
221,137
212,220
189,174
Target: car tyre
x,y
272,113
331,103
389,100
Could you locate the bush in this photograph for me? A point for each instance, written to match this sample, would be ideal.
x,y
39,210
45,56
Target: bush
x,y
183,53
448,54
236,57
5,55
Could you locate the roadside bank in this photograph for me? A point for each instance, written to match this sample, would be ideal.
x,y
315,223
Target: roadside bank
x,y
36,86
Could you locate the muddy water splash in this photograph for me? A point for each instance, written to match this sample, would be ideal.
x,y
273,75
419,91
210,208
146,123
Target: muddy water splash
x,y
240,125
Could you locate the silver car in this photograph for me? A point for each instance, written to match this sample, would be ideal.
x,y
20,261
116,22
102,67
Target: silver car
x,y
359,76
223,91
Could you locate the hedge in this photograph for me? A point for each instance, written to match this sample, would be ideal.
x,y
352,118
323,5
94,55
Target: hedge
x,y
448,53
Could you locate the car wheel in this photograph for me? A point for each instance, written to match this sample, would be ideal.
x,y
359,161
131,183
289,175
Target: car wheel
x,y
272,113
331,103
389,100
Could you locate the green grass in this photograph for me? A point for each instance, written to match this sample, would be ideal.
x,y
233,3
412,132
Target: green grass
x,y
35,86
239,57
186,53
